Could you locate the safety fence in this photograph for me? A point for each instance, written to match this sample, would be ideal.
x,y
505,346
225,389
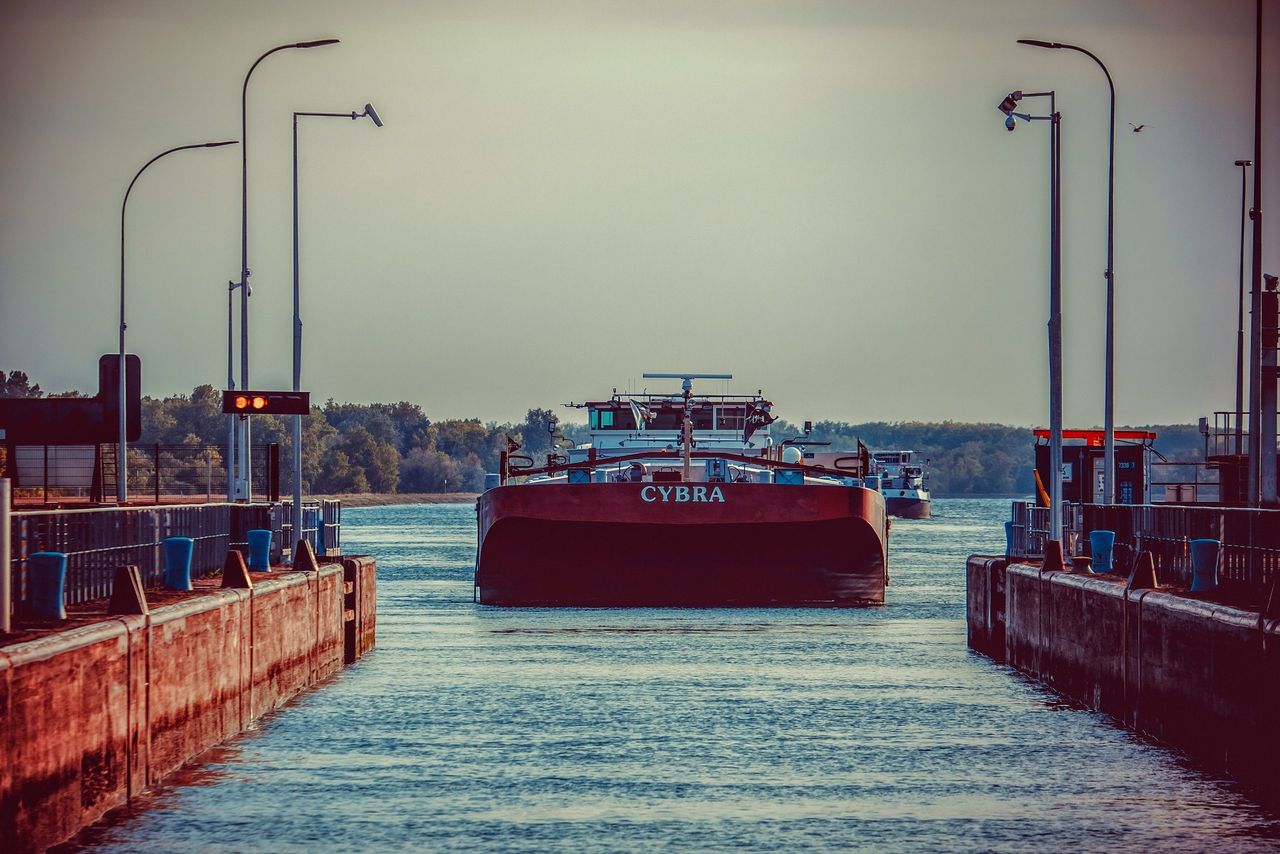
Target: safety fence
x,y
1249,555
97,541
156,473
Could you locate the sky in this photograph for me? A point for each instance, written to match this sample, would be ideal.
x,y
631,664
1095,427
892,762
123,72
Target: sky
x,y
817,197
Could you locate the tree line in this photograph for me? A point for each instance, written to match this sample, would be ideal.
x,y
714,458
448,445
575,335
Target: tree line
x,y
396,447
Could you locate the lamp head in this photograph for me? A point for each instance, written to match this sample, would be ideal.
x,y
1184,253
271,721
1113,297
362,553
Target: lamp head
x,y
1010,124
1039,43
316,43
1244,162
220,144
1010,102
373,114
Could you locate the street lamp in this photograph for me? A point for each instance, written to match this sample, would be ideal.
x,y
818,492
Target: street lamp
x,y
244,250
1109,422
1009,107
122,453
1244,184
372,114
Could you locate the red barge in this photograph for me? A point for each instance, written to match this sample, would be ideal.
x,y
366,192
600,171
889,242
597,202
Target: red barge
x,y
681,501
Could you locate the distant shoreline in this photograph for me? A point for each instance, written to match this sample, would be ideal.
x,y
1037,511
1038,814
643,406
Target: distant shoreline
x,y
387,499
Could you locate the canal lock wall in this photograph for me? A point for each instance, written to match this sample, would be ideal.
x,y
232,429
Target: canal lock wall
x,y
1198,676
95,715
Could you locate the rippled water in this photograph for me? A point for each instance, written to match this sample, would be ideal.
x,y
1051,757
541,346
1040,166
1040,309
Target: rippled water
x,y
473,728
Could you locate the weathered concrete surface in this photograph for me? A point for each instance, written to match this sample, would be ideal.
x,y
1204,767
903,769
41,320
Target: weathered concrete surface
x,y
93,716
985,603
1197,675
362,572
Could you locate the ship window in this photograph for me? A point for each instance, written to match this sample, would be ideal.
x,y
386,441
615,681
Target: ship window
x,y
593,419
667,419
730,418
606,419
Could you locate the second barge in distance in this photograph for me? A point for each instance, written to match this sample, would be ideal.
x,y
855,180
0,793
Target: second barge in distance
x,y
681,501
903,484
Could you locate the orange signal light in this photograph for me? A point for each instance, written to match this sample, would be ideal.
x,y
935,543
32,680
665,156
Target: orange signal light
x,y
249,402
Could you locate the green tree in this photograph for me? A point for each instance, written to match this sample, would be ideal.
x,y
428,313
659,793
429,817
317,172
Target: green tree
x,y
535,432
18,384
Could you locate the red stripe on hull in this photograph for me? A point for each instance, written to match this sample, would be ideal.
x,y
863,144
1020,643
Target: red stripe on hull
x,y
605,545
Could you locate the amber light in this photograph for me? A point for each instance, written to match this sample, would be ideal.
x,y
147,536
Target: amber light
x,y
242,402
259,402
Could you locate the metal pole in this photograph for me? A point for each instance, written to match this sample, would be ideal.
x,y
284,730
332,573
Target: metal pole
x,y
1266,426
6,590
122,451
1244,184
245,464
1257,445
297,358
1109,440
297,320
1055,324
231,385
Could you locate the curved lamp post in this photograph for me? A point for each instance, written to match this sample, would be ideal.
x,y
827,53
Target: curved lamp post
x,y
1009,106
244,248
372,115
122,453
1109,422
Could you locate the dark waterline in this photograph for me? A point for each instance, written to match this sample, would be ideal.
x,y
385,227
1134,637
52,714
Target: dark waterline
x,y
472,728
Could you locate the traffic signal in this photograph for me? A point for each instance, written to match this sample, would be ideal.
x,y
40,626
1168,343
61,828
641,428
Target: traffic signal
x,y
266,402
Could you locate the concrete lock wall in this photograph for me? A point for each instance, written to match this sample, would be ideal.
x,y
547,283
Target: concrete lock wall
x,y
1199,676
93,716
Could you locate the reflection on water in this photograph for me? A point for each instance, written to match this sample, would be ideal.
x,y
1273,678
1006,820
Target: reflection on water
x,y
473,728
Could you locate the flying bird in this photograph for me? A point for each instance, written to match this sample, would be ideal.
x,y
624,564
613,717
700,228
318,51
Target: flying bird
x,y
1136,128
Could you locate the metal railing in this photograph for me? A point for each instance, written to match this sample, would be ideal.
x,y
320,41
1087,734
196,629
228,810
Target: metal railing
x,y
97,541
1030,529
159,474
1249,556
1184,483
1248,559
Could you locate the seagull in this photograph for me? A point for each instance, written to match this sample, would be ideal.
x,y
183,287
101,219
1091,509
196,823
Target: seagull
x,y
1136,128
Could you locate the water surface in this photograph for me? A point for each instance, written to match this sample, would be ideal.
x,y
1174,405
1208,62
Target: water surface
x,y
473,728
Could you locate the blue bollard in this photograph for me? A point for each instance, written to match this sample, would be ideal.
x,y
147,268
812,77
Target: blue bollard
x,y
1101,546
1008,538
177,562
1204,565
47,577
259,550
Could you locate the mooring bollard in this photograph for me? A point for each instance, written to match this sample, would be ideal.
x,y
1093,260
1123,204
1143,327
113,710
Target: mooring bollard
x,y
47,575
1101,548
177,562
259,550
1204,565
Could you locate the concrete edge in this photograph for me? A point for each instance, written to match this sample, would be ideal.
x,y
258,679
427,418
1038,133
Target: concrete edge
x,y
48,646
194,605
270,585
1215,611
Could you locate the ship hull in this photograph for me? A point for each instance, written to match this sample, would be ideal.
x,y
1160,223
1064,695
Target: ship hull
x,y
909,508
628,544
